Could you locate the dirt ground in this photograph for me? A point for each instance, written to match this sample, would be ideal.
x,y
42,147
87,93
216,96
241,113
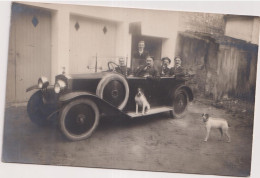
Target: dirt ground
x,y
156,143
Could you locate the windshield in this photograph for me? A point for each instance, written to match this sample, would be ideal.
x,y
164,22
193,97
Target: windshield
x,y
99,64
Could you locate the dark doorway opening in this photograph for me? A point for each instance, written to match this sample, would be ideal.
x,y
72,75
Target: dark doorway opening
x,y
152,44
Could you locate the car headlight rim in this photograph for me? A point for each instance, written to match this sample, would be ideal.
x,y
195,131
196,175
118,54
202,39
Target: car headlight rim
x,y
59,86
40,84
43,82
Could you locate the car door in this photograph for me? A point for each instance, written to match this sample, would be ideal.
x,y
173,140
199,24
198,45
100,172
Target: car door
x,y
162,90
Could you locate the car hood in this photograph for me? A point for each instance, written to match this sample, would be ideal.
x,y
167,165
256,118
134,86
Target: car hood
x,y
96,75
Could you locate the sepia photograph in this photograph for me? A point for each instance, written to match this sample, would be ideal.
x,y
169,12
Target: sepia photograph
x,y
130,89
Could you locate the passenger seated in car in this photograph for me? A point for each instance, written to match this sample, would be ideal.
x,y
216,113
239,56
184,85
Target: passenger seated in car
x,y
147,70
122,68
165,71
177,71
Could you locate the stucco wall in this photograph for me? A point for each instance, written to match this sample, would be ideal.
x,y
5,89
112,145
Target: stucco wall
x,y
239,28
154,23
244,28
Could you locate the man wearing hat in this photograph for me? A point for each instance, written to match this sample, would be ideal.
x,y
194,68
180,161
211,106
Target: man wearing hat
x,y
165,71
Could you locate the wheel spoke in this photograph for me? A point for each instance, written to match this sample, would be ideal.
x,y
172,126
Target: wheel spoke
x,y
80,119
114,92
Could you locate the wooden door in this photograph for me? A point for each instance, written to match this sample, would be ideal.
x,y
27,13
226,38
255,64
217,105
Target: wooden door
x,y
90,38
243,74
29,50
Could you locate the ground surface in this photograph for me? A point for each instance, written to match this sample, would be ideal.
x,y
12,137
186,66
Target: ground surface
x,y
155,143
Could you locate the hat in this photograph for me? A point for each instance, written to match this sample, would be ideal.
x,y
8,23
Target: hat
x,y
150,57
178,57
166,58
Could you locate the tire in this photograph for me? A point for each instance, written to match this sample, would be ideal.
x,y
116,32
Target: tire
x,y
79,119
114,89
37,111
179,104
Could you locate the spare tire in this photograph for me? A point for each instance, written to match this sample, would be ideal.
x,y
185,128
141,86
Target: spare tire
x,y
114,89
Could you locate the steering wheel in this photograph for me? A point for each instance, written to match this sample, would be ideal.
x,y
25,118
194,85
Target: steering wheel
x,y
111,67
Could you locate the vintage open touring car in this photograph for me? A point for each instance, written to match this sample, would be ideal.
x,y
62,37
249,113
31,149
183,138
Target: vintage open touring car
x,y
78,100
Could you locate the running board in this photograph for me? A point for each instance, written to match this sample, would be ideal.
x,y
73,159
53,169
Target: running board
x,y
152,111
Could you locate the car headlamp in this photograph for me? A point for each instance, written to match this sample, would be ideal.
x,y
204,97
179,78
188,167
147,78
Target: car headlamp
x,y
59,85
43,82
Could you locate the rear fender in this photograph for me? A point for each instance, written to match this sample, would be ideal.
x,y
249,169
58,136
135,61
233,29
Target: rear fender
x,y
103,106
187,90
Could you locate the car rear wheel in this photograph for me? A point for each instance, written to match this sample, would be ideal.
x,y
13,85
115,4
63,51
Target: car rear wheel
x,y
37,111
179,104
79,119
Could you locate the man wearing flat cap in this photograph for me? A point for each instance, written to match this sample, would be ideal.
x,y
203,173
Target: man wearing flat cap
x,y
165,71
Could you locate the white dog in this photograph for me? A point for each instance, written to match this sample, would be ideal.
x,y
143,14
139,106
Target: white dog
x,y
218,123
141,101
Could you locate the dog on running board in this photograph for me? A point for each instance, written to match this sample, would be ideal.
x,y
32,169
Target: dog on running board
x,y
218,123
140,100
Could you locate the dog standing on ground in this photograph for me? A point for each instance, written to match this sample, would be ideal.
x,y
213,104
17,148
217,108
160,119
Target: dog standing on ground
x,y
141,101
218,123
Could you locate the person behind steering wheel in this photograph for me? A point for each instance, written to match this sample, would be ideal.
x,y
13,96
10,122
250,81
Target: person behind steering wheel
x,y
148,69
122,68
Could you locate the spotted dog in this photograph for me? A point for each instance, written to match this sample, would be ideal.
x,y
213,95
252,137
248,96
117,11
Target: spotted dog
x,y
141,101
218,123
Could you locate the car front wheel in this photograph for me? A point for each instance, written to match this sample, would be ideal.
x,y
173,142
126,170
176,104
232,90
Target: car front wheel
x,y
79,119
179,104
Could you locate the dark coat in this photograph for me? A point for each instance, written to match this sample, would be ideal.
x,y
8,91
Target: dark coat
x,y
145,70
165,72
179,72
139,60
123,69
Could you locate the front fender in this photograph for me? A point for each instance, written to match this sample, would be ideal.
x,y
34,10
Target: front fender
x,y
103,106
73,95
32,88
